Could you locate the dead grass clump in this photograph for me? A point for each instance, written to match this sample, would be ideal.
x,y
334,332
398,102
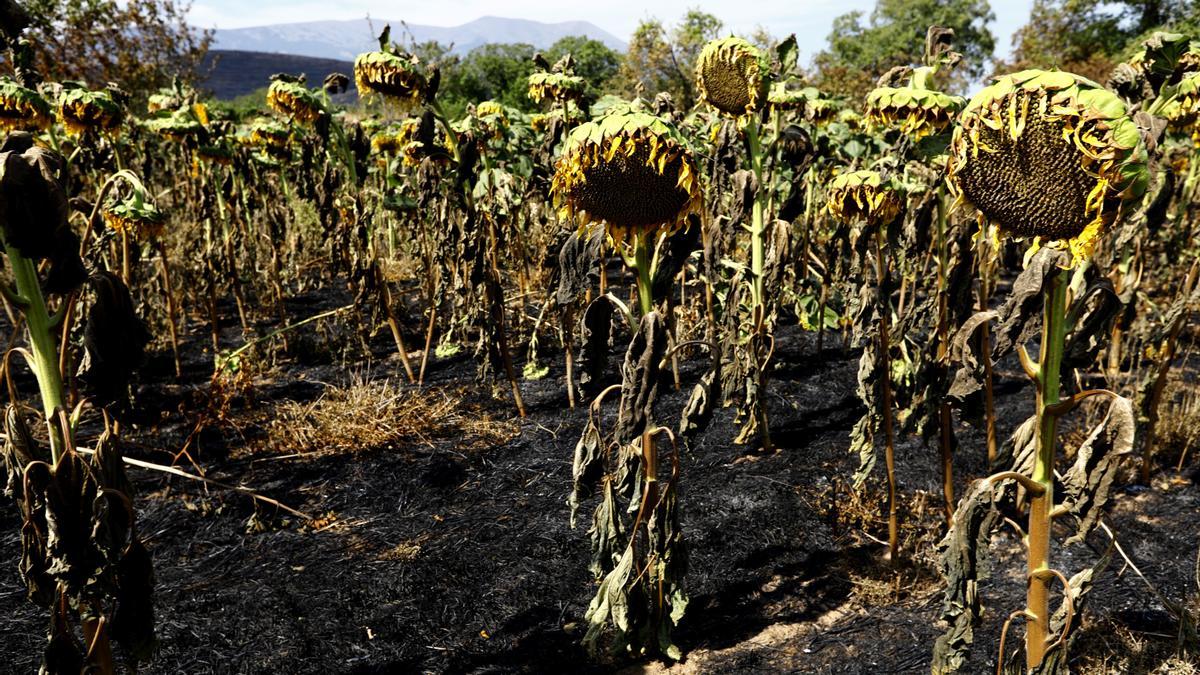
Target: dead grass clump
x,y
377,414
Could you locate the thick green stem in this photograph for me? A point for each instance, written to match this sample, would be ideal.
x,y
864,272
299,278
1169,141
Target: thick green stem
x,y
756,223
1038,600
41,342
642,264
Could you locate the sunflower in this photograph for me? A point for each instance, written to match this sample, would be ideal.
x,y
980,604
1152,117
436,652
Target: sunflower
x,y
555,86
269,135
393,139
1048,155
631,171
215,153
916,112
395,77
81,110
864,196
294,101
732,76
1183,111
21,108
180,127
135,216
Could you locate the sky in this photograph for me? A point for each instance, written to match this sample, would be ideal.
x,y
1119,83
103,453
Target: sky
x,y
810,20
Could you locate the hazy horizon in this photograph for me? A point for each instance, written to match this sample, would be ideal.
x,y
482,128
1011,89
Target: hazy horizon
x,y
810,20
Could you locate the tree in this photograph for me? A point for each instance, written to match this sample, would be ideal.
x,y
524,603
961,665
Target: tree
x,y
894,35
657,61
595,62
1088,37
138,44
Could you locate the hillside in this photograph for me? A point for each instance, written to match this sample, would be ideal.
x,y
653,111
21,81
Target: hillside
x,y
233,73
343,40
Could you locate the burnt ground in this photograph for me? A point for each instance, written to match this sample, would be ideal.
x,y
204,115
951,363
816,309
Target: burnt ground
x,y
455,555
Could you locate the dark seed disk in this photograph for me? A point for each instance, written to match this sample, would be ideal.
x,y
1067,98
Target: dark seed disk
x,y
1033,186
627,193
725,86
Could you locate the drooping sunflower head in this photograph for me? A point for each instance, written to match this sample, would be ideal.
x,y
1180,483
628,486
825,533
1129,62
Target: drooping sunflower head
x,y
631,171
732,76
181,126
782,96
136,216
269,136
864,196
1183,111
1047,154
81,110
916,112
555,86
392,139
489,121
395,77
215,153
22,109
295,101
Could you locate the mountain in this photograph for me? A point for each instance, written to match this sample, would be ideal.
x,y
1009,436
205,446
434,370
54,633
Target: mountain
x,y
229,74
344,40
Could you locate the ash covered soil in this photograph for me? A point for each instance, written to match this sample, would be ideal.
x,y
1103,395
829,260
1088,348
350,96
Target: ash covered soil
x,y
454,554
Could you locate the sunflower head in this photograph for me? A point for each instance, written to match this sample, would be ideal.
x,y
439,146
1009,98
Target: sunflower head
x,y
269,136
555,86
215,153
489,121
864,196
1183,111
135,215
391,140
1047,154
295,101
181,126
629,170
81,110
732,76
916,112
395,77
22,109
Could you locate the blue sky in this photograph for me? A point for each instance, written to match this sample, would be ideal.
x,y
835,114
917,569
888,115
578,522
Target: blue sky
x,y
810,20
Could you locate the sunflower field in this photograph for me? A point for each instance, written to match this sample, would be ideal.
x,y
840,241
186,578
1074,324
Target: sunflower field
x,y
782,381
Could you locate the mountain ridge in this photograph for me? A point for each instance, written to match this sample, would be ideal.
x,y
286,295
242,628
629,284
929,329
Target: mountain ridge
x,y
343,40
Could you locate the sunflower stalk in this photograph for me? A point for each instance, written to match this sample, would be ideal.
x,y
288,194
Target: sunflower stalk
x,y
885,386
1037,607
946,431
44,363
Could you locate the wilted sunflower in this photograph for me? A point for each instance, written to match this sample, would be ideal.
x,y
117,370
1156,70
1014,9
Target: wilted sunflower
x,y
732,76
270,136
1183,111
21,108
396,77
631,171
215,153
180,127
294,101
864,196
916,112
81,110
391,140
1047,154
136,216
555,86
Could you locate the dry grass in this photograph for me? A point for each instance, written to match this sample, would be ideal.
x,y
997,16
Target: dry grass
x,y
378,414
1178,420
